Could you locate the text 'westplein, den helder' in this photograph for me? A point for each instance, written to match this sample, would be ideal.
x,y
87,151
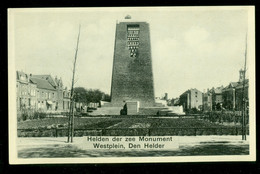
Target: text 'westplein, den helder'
x,y
130,142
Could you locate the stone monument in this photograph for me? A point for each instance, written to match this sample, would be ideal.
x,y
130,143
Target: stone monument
x,y
132,78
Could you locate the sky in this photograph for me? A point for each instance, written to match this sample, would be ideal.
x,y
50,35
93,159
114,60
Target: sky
x,y
191,47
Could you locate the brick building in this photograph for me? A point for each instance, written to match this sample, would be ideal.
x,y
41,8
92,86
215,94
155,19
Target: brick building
x,y
217,97
41,92
232,94
212,99
46,94
66,100
191,98
25,91
207,100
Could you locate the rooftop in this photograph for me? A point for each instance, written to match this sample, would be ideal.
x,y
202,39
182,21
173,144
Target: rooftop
x,y
42,84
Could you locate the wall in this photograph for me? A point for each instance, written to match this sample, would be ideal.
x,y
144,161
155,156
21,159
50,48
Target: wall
x,y
195,98
43,95
26,95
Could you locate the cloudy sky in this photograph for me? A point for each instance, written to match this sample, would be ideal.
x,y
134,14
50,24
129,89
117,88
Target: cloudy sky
x,y
191,47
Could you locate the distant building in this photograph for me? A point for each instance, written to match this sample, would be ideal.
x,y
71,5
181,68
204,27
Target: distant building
x,y
53,84
46,94
212,99
165,96
232,94
207,100
217,100
238,95
41,92
175,101
25,91
66,100
191,98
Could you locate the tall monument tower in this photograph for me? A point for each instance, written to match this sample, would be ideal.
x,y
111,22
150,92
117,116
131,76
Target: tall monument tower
x,y
132,78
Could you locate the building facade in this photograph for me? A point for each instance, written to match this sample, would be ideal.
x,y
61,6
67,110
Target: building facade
x,y
212,99
190,99
207,100
46,94
41,92
66,100
25,91
217,100
233,95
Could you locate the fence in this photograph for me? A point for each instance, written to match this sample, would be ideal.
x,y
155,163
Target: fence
x,y
166,131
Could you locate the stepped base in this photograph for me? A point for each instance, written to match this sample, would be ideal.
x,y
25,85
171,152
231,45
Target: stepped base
x,y
107,111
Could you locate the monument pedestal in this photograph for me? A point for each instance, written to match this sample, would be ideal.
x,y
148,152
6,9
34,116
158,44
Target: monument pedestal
x,y
132,107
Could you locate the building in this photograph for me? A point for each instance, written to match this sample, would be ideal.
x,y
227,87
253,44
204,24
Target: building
x,y
229,93
217,100
232,94
239,95
46,94
57,85
175,101
190,99
212,99
25,91
207,100
132,77
66,100
41,92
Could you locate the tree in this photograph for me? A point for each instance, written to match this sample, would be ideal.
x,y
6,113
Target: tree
x,y
80,94
106,98
84,95
94,95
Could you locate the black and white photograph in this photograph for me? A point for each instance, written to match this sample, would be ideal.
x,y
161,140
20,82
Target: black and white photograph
x,y
131,84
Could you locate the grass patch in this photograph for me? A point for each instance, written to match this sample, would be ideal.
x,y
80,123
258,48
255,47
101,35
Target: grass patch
x,y
125,126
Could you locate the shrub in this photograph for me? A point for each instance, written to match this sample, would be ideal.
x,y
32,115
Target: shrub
x,y
24,116
39,115
42,115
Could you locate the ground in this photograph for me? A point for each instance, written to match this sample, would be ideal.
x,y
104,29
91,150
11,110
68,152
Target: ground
x,y
49,147
109,122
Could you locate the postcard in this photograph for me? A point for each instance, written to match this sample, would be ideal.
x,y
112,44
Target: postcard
x,y
131,84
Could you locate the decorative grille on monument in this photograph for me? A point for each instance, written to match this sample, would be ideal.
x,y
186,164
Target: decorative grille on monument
x,y
133,39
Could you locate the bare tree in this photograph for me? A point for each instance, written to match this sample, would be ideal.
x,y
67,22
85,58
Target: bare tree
x,y
72,100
